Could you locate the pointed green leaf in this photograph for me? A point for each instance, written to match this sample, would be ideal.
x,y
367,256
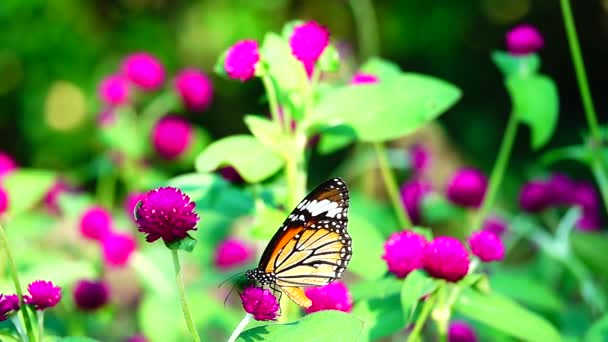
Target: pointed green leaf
x,y
26,188
186,244
598,331
384,69
510,65
382,317
415,285
266,131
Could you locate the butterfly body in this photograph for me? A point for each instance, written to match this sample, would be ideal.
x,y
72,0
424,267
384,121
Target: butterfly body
x,y
312,247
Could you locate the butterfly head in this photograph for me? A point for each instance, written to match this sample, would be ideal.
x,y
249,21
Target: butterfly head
x,y
261,276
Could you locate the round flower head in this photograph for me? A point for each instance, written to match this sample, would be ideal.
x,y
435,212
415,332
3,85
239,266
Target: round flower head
x,y
131,202
95,223
534,196
333,296
467,188
8,305
7,164
562,188
241,60
419,157
307,41
232,253
523,40
412,194
487,246
363,78
230,174
261,303
137,338
166,213
144,70
114,90
4,201
585,196
90,295
195,89
494,225
460,331
446,258
403,252
589,221
172,136
117,248
42,294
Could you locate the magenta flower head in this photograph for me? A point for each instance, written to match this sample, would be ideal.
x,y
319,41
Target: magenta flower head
x,y
114,90
419,158
487,246
90,295
166,213
446,258
412,194
586,197
333,296
4,201
589,221
172,136
241,60
230,174
131,202
495,225
523,40
561,188
403,252
460,331
467,188
42,294
95,223
8,305
261,303
195,89
117,249
7,164
232,253
137,338
535,196
144,70
363,78
307,41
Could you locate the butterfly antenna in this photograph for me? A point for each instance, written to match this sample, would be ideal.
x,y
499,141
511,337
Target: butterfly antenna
x,y
232,277
229,293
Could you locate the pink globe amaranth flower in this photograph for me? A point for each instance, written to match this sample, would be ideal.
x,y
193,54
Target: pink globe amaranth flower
x,y
95,223
232,253
333,296
261,303
561,188
308,41
114,90
495,225
412,194
487,246
230,174
143,70
364,78
589,221
195,89
42,294
460,331
446,258
166,213
137,338
90,295
4,200
403,252
9,304
535,196
51,198
419,158
131,202
524,39
117,249
172,136
7,164
242,59
585,196
467,187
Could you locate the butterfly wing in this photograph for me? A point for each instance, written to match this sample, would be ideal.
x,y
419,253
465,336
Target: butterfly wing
x,y
312,246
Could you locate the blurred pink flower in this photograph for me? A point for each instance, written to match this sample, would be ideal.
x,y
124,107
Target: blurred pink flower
x,y
403,252
232,253
117,249
333,296
172,136
195,89
308,41
241,60
95,223
487,246
446,258
144,70
524,39
7,164
114,90
364,78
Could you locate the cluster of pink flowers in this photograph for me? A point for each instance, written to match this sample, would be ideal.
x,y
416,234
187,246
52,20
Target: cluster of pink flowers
x,y
41,296
444,257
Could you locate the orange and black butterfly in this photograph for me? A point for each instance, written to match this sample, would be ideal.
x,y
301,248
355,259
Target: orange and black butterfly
x,y
312,246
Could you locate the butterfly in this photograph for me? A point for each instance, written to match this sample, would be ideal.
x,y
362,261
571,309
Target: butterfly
x,y
312,246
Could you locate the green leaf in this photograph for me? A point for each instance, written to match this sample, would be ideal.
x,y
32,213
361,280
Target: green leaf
x,y
387,110
505,315
536,103
384,69
598,331
285,69
267,221
266,131
26,188
336,138
218,68
186,244
367,247
511,65
329,59
319,326
376,288
382,317
527,290
436,209
578,153
591,248
75,339
415,285
253,160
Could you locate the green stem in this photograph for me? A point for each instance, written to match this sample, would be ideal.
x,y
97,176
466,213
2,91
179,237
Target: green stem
x,y
40,314
17,283
391,186
273,103
182,297
414,336
240,327
498,171
19,327
367,27
106,186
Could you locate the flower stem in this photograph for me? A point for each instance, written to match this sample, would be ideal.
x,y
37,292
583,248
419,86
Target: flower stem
x,y
19,327
106,186
597,166
414,336
367,27
17,283
273,103
391,186
182,297
240,327
498,171
40,315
